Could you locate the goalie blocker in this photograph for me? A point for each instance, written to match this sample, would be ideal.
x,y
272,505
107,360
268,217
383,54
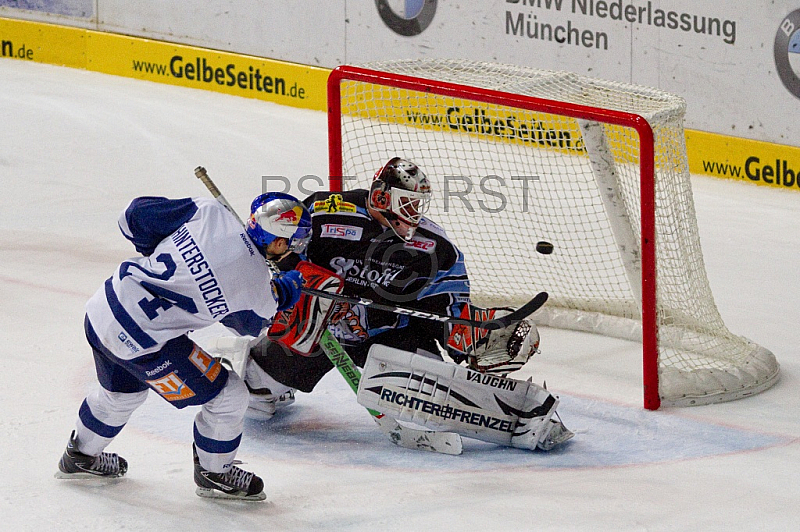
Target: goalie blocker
x,y
442,396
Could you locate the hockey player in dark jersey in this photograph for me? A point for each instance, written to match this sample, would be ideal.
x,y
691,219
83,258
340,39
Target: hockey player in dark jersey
x,y
383,248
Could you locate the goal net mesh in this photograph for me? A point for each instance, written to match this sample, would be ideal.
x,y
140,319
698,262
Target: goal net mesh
x,y
506,175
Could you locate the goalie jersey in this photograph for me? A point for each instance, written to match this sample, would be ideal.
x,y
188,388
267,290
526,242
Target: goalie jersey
x,y
426,273
198,267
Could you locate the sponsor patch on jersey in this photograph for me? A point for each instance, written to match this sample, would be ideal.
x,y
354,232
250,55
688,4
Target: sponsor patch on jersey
x,y
357,273
333,203
349,322
421,244
171,388
205,363
122,337
345,232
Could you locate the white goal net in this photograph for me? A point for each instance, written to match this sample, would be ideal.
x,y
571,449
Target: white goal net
x,y
599,169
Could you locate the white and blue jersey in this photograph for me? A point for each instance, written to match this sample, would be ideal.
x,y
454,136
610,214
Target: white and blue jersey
x,y
198,268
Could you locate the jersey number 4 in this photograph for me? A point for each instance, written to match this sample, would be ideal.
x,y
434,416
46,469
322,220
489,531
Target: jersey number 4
x,y
163,298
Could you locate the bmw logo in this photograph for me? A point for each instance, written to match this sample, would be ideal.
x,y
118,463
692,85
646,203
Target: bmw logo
x,y
787,52
406,17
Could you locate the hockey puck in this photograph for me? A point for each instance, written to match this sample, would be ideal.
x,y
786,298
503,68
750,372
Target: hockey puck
x,y
545,248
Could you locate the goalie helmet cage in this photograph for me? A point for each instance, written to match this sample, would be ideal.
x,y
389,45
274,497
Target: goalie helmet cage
x,y
597,168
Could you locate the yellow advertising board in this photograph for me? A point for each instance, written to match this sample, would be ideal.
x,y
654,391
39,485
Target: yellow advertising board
x,y
175,64
751,161
426,110
43,43
198,68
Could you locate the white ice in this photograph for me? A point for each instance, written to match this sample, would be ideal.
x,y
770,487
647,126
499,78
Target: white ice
x,y
76,146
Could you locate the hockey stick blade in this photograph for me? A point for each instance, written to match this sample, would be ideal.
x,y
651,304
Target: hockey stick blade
x,y
402,436
524,311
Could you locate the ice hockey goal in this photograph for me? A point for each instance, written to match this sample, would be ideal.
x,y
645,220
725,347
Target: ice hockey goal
x,y
597,168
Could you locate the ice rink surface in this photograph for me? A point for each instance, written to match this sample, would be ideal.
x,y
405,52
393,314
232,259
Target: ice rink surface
x,y
76,146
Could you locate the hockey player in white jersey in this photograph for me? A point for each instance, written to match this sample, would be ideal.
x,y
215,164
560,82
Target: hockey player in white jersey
x,y
199,266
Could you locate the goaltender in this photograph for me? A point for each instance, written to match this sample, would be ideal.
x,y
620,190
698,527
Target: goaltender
x,y
380,245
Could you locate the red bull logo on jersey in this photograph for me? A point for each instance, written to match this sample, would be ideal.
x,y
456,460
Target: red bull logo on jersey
x,y
171,388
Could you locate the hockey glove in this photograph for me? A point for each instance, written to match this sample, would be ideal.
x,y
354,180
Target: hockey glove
x,y
506,350
286,288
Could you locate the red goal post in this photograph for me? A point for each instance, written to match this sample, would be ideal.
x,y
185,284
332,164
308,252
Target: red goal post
x,y
368,121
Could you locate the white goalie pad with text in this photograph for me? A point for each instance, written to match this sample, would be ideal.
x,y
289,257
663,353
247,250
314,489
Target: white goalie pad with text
x,y
444,396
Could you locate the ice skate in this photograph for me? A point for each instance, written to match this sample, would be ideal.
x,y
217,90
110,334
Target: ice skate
x,y
75,464
235,484
557,435
263,403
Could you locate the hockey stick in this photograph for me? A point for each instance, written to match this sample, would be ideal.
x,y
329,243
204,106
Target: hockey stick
x,y
203,176
499,323
410,438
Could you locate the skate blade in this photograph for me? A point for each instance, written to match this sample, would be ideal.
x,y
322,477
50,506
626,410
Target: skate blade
x,y
216,494
85,476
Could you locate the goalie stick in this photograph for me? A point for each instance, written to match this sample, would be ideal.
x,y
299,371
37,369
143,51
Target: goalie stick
x,y
516,316
410,438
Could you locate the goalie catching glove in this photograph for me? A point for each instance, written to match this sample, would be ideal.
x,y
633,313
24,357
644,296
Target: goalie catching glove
x,y
498,352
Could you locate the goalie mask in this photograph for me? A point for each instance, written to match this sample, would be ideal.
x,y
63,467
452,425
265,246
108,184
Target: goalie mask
x,y
274,215
401,193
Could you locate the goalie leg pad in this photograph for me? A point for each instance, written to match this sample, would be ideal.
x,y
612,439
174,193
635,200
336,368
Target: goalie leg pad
x,y
534,422
555,434
445,396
